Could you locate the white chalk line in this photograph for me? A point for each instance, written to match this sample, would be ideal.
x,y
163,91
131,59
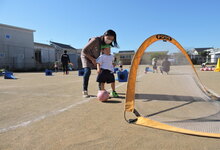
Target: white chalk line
x,y
23,124
53,113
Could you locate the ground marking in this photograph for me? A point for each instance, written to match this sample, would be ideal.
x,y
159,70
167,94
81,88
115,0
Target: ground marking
x,y
53,113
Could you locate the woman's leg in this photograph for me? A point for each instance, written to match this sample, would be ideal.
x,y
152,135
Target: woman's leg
x,y
87,72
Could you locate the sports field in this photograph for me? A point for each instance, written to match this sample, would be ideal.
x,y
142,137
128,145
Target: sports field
x,y
48,113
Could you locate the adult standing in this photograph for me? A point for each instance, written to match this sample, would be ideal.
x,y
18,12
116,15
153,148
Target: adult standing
x,y
91,52
165,66
65,61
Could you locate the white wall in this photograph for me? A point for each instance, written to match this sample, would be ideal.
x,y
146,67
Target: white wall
x,y
47,55
16,47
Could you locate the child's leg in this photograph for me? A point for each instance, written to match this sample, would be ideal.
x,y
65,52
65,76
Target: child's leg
x,y
101,86
113,93
113,86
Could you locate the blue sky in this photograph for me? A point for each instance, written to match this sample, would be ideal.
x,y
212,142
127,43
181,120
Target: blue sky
x,y
193,23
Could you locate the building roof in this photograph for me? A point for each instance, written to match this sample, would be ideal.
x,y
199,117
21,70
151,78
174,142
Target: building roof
x,y
62,45
129,51
203,49
42,44
156,51
14,27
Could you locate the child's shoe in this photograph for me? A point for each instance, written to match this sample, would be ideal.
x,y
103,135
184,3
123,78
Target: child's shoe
x,y
114,94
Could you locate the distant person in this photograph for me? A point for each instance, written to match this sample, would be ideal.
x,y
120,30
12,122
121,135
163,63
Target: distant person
x,y
165,66
121,67
204,65
70,66
154,64
65,61
91,52
105,70
120,64
56,66
146,70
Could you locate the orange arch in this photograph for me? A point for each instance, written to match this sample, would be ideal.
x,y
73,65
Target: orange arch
x,y
129,106
130,94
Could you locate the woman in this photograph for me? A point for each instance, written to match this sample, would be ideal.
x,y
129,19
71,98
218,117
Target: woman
x,y
91,52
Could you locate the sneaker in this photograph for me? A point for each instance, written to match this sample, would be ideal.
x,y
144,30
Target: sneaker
x,y
114,94
85,94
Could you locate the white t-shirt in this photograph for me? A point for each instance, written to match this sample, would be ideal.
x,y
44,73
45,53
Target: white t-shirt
x,y
106,61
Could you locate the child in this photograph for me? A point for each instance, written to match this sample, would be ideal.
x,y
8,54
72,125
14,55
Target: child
x,y
120,66
146,70
105,69
56,66
154,64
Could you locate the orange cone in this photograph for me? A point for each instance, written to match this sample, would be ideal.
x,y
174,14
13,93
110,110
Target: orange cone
x,y
217,69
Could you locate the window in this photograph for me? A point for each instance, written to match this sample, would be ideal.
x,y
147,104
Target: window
x,y
2,54
122,56
125,56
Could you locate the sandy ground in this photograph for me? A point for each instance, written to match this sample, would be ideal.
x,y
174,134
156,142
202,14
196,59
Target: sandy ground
x,y
48,113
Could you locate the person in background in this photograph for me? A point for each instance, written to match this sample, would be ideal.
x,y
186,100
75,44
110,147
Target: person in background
x,y
56,66
154,64
165,66
91,52
120,66
204,65
65,61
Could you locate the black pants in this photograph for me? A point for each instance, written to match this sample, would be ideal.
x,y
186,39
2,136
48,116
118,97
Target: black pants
x,y
105,76
65,68
86,75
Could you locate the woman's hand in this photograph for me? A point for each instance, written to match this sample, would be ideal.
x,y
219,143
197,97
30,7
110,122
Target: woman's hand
x,y
94,62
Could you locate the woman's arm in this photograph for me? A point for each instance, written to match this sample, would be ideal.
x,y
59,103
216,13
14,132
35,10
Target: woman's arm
x,y
87,48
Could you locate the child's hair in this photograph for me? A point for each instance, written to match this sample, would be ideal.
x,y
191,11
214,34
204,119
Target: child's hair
x,y
103,47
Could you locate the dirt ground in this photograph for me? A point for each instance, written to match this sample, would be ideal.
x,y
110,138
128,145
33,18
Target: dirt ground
x,y
39,112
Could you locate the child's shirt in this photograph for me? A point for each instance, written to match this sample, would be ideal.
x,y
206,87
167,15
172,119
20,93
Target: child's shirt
x,y
106,61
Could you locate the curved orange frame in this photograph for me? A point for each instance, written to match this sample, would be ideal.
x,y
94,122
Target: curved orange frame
x,y
130,94
129,106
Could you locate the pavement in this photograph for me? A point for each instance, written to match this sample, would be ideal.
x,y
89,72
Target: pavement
x,y
39,112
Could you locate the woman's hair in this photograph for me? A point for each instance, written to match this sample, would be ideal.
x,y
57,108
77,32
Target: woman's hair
x,y
111,33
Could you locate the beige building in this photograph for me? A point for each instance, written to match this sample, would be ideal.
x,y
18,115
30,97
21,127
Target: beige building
x,y
125,57
16,48
148,56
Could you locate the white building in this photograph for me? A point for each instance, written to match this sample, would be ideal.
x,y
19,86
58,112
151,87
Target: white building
x,y
199,55
44,56
18,52
214,54
71,51
16,48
